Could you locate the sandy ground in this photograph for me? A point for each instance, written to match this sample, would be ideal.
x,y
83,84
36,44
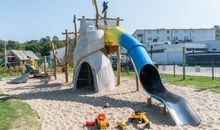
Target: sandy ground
x,y
60,108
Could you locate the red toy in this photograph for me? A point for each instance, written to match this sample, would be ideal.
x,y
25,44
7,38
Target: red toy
x,y
90,123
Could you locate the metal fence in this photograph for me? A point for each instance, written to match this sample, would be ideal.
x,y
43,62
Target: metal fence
x,y
209,70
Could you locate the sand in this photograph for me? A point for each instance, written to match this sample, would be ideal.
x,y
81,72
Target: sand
x,y
60,108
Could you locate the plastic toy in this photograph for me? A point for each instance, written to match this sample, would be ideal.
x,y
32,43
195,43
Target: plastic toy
x,y
101,121
121,125
139,117
90,123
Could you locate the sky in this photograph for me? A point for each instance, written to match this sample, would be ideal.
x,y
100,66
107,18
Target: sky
x,y
23,20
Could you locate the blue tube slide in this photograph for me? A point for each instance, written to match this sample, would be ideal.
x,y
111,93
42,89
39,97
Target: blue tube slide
x,y
179,108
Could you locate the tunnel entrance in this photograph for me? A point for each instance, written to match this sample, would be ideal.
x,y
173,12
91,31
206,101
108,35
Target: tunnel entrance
x,y
85,78
150,79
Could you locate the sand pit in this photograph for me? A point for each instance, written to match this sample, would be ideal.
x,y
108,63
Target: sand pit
x,y
61,108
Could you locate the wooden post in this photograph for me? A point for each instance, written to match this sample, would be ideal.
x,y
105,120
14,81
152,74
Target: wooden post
x,y
55,67
55,62
137,83
213,72
118,66
45,66
118,20
149,101
75,34
105,16
163,110
66,54
97,14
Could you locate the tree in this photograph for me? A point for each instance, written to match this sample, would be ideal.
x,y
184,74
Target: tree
x,y
217,30
45,44
11,45
2,47
58,43
20,46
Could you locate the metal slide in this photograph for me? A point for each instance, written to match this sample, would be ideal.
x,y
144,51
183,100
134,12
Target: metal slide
x,y
179,108
22,79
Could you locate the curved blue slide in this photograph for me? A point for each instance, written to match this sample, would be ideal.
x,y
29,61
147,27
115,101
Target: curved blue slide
x,y
179,108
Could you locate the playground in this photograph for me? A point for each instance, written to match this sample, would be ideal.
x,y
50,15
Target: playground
x,y
94,96
60,108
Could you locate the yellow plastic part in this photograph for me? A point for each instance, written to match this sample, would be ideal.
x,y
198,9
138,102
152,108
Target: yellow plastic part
x,y
112,35
32,63
121,125
140,116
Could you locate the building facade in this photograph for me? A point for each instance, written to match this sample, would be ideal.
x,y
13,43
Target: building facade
x,y
19,57
147,36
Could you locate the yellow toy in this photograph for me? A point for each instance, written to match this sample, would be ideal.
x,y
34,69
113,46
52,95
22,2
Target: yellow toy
x,y
121,125
139,117
32,63
101,121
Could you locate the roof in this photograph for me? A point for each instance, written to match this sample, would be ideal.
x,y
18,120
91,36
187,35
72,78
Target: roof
x,y
22,55
172,29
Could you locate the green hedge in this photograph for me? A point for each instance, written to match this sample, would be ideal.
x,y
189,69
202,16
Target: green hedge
x,y
10,70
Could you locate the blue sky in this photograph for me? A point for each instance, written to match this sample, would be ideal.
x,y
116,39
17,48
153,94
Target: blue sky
x,y
23,20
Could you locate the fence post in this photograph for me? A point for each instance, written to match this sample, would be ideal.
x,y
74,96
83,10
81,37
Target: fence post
x,y
45,64
151,53
184,64
213,71
174,69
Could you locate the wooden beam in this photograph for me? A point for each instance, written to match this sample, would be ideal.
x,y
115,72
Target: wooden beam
x,y
113,19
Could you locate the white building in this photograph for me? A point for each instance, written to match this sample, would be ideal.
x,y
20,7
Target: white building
x,y
147,36
173,53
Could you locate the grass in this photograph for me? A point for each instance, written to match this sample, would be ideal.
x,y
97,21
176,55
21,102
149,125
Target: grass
x,y
8,76
16,114
199,82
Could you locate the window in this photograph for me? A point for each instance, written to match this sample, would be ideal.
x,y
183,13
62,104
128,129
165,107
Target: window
x,y
213,49
157,31
154,40
168,31
149,39
168,38
139,35
175,38
186,38
158,38
196,49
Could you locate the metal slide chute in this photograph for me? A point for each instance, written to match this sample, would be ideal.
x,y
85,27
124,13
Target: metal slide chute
x,y
22,79
179,108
